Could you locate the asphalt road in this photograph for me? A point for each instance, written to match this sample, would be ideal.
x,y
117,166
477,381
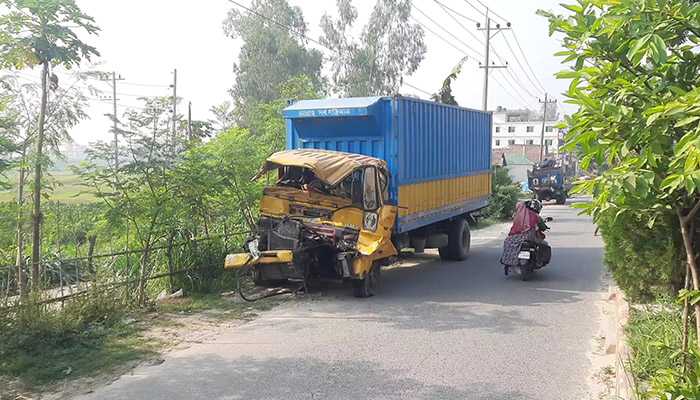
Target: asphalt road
x,y
437,330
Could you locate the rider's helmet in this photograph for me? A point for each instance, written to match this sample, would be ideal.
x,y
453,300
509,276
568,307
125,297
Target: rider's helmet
x,y
534,205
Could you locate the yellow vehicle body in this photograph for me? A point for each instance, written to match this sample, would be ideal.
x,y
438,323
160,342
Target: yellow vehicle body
x,y
278,202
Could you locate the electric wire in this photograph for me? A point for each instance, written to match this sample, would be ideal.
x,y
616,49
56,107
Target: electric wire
x,y
455,12
491,11
448,32
527,62
446,8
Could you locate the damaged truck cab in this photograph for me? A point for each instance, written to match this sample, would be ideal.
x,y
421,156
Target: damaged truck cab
x,y
362,179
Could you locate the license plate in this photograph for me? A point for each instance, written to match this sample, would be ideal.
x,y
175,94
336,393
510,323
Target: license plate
x,y
253,248
524,255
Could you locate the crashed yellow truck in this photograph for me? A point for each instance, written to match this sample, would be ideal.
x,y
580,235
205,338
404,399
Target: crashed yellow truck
x,y
362,179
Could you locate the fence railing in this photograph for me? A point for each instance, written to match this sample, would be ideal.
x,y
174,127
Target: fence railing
x,y
134,271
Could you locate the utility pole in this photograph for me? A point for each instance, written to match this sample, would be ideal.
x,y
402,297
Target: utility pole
x,y
114,80
487,30
174,86
189,121
546,102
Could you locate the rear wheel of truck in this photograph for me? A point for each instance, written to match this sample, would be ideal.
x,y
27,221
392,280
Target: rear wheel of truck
x,y
561,199
369,285
459,241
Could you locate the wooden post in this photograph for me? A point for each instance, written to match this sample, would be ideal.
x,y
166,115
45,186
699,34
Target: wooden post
x,y
91,250
142,276
170,262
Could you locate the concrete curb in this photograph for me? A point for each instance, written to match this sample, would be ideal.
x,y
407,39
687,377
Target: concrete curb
x,y
624,382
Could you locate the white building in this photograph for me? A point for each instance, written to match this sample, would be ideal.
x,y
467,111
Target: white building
x,y
515,127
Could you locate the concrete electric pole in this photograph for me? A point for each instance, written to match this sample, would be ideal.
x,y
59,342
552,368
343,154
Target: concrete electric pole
x,y
546,102
487,30
114,80
172,139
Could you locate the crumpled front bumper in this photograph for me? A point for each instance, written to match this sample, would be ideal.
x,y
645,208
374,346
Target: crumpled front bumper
x,y
240,260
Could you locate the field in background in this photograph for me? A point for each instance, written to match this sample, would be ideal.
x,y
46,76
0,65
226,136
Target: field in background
x,y
67,191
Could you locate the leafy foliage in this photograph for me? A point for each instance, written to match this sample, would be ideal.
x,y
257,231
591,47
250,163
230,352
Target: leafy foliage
x,y
389,48
445,94
270,54
504,195
645,262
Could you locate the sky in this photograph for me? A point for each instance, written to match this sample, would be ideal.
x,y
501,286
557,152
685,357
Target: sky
x,y
145,40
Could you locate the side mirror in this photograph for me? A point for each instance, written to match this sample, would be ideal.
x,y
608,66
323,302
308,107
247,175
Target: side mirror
x,y
357,192
548,219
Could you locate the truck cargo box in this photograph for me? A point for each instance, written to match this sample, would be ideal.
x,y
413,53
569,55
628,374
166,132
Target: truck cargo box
x,y
439,155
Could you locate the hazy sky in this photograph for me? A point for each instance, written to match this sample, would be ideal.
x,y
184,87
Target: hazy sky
x,y
144,40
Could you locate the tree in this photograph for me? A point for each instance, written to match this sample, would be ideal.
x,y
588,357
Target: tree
x,y
42,33
552,113
389,48
445,94
633,72
224,117
271,53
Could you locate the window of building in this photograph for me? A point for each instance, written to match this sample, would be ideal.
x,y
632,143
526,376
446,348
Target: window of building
x,y
511,141
498,142
548,142
530,128
530,141
550,128
511,129
498,129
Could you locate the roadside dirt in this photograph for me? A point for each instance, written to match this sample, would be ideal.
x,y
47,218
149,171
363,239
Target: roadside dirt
x,y
601,378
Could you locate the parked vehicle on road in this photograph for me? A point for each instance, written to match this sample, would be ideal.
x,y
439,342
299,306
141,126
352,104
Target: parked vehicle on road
x,y
364,178
548,183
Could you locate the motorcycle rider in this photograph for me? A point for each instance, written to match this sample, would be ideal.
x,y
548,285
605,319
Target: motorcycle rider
x,y
527,225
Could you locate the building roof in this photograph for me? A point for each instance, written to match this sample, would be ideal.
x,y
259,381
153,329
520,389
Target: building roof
x,y
498,159
517,159
329,166
531,151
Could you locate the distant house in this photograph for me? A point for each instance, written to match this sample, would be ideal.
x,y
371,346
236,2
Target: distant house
x,y
518,165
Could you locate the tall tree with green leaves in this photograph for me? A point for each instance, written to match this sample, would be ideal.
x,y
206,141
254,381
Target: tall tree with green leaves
x,y
271,54
633,71
389,48
42,33
444,95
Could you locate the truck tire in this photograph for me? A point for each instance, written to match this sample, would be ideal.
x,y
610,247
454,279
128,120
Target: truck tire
x,y
459,241
561,199
369,285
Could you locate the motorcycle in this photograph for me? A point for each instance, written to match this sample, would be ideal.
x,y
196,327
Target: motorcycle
x,y
535,254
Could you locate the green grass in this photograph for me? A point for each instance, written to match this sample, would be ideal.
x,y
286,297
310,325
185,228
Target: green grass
x,y
95,350
41,347
67,191
225,307
486,222
646,327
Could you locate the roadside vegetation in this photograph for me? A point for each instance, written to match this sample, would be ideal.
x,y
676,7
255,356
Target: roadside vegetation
x,y
504,195
110,235
633,68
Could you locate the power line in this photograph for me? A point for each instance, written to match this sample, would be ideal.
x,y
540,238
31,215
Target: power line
x,y
445,8
491,11
527,62
529,105
293,31
448,32
515,57
441,37
418,89
455,12
515,77
524,105
477,9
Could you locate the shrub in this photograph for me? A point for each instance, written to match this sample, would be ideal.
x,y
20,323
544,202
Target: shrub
x,y
644,262
504,195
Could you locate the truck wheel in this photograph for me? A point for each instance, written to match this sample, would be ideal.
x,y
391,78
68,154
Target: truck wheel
x,y
561,199
459,241
369,285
